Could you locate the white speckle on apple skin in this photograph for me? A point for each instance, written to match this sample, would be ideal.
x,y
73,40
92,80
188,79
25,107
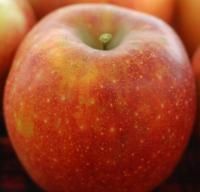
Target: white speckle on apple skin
x,y
158,117
112,130
163,137
82,127
48,100
97,119
63,98
141,76
21,104
137,88
136,114
141,141
114,81
45,121
162,105
169,111
176,117
132,154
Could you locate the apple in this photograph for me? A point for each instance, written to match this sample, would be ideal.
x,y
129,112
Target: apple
x,y
100,98
160,8
196,69
187,23
16,19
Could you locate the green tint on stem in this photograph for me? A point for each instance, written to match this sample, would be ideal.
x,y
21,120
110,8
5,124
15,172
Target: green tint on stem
x,y
105,39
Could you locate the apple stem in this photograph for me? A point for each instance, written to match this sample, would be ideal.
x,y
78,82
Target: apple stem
x,y
105,38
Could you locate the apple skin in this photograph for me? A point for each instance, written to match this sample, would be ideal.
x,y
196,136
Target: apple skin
x,y
187,23
161,8
13,27
196,69
85,119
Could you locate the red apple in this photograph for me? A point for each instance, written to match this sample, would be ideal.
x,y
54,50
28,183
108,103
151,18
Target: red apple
x,y
100,99
188,23
196,69
160,8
